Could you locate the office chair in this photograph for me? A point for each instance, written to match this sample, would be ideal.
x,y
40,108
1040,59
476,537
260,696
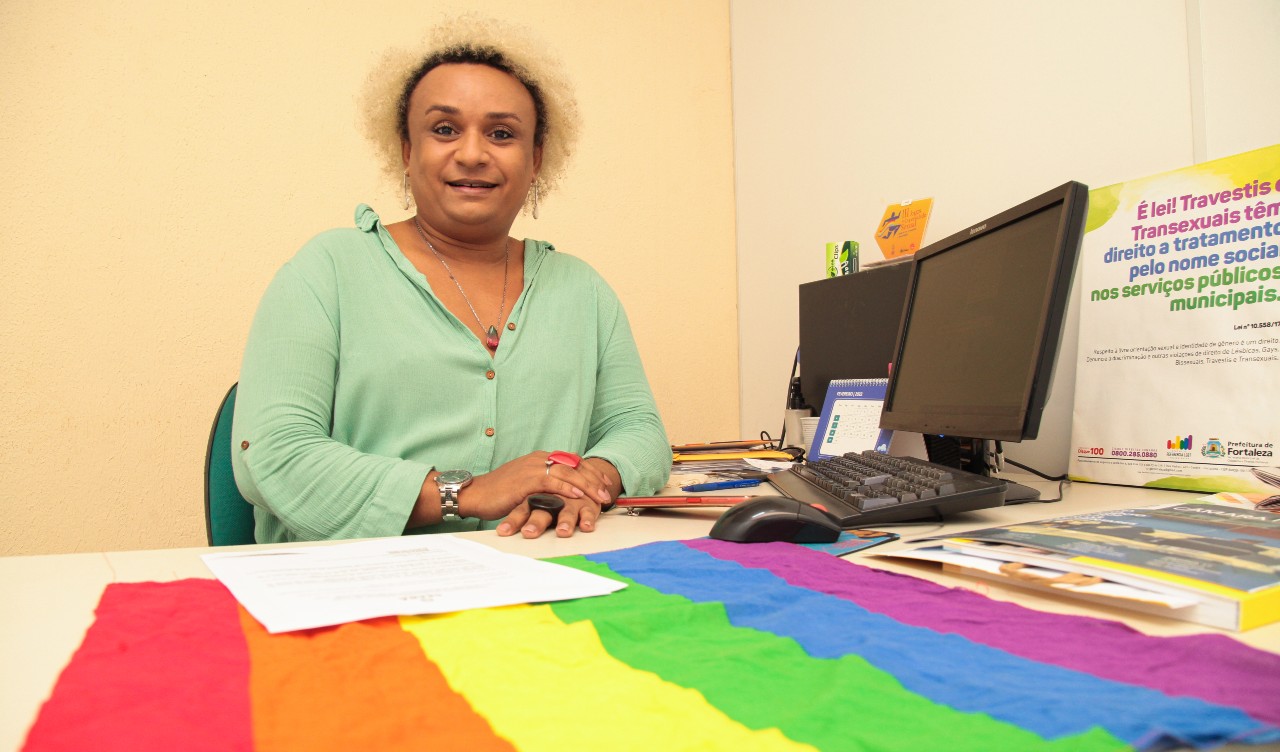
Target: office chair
x,y
228,517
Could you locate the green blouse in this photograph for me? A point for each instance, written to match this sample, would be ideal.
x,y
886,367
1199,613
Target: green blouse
x,y
357,381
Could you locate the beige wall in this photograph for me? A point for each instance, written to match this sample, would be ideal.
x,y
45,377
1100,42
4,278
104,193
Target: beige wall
x,y
161,160
842,108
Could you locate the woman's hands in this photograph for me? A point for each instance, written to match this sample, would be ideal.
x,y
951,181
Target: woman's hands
x,y
504,491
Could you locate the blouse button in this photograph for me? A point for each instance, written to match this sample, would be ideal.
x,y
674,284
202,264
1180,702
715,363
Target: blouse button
x,y
488,432
489,375
511,326
244,445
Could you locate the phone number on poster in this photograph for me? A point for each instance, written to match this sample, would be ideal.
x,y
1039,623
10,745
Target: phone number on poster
x,y
1133,453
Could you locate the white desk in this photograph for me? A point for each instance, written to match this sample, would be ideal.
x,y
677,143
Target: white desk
x,y
48,601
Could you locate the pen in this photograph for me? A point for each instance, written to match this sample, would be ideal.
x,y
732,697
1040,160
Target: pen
x,y
718,485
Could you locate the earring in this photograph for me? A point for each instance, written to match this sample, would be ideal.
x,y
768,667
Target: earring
x,y
406,190
535,198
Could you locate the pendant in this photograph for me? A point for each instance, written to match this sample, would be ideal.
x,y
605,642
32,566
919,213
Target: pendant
x,y
491,338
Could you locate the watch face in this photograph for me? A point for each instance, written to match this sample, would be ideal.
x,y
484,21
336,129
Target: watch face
x,y
454,477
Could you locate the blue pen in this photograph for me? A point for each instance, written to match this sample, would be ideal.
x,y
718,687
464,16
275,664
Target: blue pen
x,y
719,485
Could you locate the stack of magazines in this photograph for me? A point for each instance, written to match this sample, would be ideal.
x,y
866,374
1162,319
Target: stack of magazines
x,y
1204,561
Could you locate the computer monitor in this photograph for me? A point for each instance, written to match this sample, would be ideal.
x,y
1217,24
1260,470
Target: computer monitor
x,y
982,322
849,326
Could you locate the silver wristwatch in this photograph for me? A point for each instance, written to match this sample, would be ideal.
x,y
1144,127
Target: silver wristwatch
x,y
451,482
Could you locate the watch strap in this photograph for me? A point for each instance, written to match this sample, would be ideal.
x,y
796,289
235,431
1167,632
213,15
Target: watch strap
x,y
450,488
449,509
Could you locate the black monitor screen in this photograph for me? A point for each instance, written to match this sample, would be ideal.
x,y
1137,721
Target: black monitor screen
x,y
849,326
984,315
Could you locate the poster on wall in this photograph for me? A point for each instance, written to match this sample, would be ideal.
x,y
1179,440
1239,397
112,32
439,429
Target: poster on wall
x,y
1178,377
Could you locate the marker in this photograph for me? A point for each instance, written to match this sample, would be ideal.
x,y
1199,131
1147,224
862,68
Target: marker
x,y
721,485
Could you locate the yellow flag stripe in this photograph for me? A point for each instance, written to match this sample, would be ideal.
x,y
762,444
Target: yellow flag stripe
x,y
548,686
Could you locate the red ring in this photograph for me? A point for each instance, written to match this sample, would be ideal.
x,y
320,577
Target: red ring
x,y
563,458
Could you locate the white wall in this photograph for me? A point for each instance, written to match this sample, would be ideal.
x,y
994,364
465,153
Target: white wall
x,y
1240,70
841,108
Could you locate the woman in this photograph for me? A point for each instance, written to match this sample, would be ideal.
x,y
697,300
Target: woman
x,y
434,373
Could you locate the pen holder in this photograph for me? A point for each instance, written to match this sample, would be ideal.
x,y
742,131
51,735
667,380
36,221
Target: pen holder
x,y
809,428
792,425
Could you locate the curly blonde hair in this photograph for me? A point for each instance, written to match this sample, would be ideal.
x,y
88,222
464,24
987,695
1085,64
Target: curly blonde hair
x,y
471,39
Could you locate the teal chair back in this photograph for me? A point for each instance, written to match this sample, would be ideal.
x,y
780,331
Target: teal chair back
x,y
228,517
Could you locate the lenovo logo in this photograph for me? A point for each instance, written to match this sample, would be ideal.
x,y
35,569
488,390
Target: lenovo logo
x,y
979,228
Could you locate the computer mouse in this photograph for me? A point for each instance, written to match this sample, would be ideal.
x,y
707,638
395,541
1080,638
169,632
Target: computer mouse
x,y
775,518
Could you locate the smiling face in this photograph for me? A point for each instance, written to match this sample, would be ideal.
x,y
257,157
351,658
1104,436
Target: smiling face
x,y
470,156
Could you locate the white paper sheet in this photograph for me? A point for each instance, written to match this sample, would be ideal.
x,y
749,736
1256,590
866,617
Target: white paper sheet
x,y
320,586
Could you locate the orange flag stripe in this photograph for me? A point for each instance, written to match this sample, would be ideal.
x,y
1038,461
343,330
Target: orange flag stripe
x,y
364,685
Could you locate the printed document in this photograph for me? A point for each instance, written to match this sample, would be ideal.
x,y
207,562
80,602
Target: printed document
x,y
319,586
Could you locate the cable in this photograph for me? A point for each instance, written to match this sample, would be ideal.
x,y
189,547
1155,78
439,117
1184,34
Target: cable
x,y
1034,471
795,365
1061,479
1038,500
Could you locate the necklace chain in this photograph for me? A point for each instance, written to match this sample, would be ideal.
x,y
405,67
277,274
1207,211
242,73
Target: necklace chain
x,y
491,334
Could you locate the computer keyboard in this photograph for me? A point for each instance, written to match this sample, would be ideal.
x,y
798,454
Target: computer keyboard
x,y
871,488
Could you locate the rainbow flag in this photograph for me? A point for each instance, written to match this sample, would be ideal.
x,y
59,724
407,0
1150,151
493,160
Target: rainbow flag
x,y
712,646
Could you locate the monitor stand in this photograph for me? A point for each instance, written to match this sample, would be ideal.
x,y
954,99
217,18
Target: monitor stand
x,y
970,455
